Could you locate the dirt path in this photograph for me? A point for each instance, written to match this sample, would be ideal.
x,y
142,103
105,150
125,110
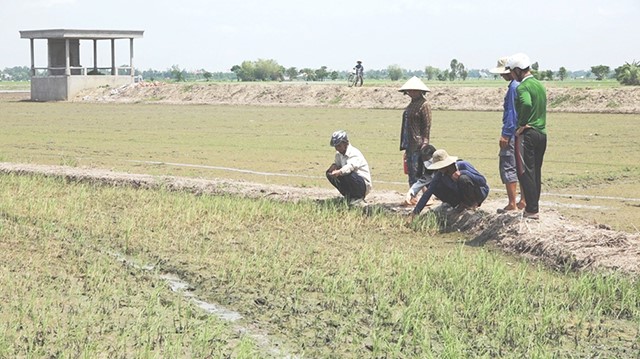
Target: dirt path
x,y
299,94
552,239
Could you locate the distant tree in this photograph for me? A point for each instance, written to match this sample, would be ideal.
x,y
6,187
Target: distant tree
x,y
322,73
207,75
431,72
534,70
247,71
177,73
334,75
265,70
453,74
600,71
292,73
308,74
629,73
16,73
545,75
260,70
237,69
462,71
562,73
444,75
395,72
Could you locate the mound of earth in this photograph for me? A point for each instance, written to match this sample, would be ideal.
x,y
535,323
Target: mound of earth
x,y
552,239
587,100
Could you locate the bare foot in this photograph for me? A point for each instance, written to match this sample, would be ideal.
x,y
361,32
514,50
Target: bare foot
x,y
507,209
521,205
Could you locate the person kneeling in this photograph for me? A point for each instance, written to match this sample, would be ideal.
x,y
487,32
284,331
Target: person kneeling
x,y
350,171
456,183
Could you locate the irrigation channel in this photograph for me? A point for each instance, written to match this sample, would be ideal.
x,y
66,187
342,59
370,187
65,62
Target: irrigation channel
x,y
182,287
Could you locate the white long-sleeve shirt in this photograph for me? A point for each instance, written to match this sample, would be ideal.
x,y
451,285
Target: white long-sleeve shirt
x,y
354,161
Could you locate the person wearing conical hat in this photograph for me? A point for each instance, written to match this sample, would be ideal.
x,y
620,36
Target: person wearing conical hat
x,y
507,162
455,182
416,127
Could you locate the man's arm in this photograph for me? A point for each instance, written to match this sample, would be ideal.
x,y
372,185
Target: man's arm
x,y
426,125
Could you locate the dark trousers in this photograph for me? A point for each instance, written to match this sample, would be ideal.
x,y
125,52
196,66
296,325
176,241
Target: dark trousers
x,y
467,193
351,186
530,148
415,166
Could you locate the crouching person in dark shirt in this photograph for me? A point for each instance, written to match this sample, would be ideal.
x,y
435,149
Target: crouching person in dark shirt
x,y
456,182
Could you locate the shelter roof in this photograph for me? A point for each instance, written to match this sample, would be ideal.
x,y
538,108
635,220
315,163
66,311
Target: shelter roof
x,y
80,34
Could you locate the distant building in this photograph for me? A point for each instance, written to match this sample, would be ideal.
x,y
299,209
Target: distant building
x,y
64,76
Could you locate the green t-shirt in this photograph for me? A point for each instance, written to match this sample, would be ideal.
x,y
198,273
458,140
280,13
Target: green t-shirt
x,y
531,104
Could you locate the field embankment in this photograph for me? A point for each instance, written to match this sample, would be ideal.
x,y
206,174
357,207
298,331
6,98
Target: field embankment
x,y
553,240
581,100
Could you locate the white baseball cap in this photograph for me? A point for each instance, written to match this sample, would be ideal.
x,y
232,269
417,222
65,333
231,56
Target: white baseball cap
x,y
519,60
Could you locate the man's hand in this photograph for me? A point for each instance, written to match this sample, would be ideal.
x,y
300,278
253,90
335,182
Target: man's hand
x,y
521,129
455,175
410,199
335,173
504,142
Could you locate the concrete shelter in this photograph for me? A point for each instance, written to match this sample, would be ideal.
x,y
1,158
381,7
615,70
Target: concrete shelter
x,y
64,76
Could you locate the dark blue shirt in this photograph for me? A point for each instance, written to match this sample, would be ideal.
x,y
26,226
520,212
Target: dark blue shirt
x,y
510,116
440,179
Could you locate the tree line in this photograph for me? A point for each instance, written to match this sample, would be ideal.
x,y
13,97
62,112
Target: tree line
x,y
270,70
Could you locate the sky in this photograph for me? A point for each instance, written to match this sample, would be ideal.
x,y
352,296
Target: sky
x,y
215,35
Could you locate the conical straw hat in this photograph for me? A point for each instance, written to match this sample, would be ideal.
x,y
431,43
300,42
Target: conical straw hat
x,y
414,83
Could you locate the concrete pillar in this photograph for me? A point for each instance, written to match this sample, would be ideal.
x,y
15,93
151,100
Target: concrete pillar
x,y
95,55
67,70
33,61
113,58
131,56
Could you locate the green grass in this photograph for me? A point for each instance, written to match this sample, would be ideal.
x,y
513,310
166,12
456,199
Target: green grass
x,y
323,280
294,140
66,295
15,86
589,154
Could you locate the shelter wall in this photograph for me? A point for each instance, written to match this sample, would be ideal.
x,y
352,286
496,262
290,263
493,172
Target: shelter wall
x,y
60,88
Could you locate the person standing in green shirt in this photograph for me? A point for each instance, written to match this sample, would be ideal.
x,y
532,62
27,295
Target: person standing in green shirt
x,y
531,135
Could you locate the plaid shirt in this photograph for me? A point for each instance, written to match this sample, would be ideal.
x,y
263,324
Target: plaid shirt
x,y
416,125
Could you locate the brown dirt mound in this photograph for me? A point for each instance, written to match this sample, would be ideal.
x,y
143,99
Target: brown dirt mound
x,y
552,239
602,100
